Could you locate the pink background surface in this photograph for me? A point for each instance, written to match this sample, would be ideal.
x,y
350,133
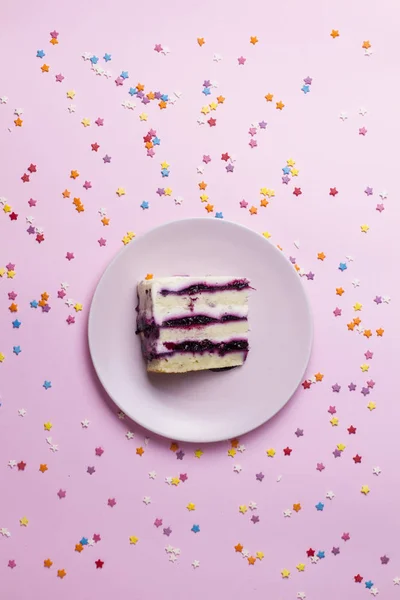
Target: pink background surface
x,y
294,42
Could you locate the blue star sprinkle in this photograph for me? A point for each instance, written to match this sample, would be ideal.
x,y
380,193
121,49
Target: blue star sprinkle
x,y
132,91
369,584
144,205
286,170
156,141
47,385
94,60
342,267
124,74
107,57
195,528
164,172
206,91
16,324
321,554
305,89
34,304
319,506
219,215
84,541
17,350
40,54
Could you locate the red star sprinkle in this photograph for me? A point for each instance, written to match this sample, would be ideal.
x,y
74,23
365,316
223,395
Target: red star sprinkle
x,y
99,564
95,147
25,177
225,156
212,122
13,216
310,552
357,458
333,191
287,451
358,578
351,429
32,168
40,237
306,384
21,466
297,191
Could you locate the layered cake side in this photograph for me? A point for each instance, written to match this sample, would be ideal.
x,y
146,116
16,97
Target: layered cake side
x,y
193,323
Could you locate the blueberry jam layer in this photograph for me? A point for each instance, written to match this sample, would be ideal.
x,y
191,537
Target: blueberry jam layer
x,y
198,288
199,347
200,320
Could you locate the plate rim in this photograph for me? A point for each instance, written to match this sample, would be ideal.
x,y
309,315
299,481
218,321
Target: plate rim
x,y
90,325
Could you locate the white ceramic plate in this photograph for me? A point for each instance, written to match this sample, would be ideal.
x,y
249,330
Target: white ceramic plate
x,y
205,406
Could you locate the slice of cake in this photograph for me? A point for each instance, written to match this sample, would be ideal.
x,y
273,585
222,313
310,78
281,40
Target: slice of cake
x,y
193,323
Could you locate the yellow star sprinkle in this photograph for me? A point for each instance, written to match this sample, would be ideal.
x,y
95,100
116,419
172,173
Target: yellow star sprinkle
x,y
270,193
167,191
364,489
11,274
133,539
191,506
78,307
357,306
334,421
164,165
47,426
364,228
126,239
2,357
271,452
7,208
24,522
266,234
341,447
85,122
290,162
231,452
260,555
294,172
120,191
285,573
130,235
205,110
264,191
2,271
143,116
175,481
243,509
371,405
213,105
300,567
198,453
364,367
204,197
71,94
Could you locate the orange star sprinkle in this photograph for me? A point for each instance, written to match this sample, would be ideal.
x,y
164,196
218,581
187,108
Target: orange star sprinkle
x,y
140,87
66,194
43,468
339,291
280,105
253,210
350,326
318,376
13,307
61,573
296,507
335,33
74,174
234,443
18,122
209,208
80,208
105,221
357,321
78,547
151,95
254,40
140,451
202,185
380,332
366,44
54,41
264,202
321,256
45,68
200,41
238,547
47,563
174,447
269,97
367,333
162,104
220,99
149,276
45,296
251,560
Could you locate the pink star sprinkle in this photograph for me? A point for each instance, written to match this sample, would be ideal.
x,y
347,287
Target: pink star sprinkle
x,y
87,185
59,78
61,494
99,122
111,502
69,256
70,320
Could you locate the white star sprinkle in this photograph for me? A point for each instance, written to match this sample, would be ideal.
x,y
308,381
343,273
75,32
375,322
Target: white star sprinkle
x,y
287,513
85,423
12,463
152,474
330,495
129,435
22,412
147,500
376,470
195,564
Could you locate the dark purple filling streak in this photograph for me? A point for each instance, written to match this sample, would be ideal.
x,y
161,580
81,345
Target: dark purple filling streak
x,y
202,346
199,320
236,284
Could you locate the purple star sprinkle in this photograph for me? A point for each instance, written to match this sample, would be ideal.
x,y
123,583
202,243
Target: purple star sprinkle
x,y
180,454
378,299
310,276
260,476
229,168
369,191
255,519
106,159
365,391
352,387
335,550
299,432
336,453
46,308
336,388
30,230
91,470
384,559
307,80
285,179
160,192
167,531
262,124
